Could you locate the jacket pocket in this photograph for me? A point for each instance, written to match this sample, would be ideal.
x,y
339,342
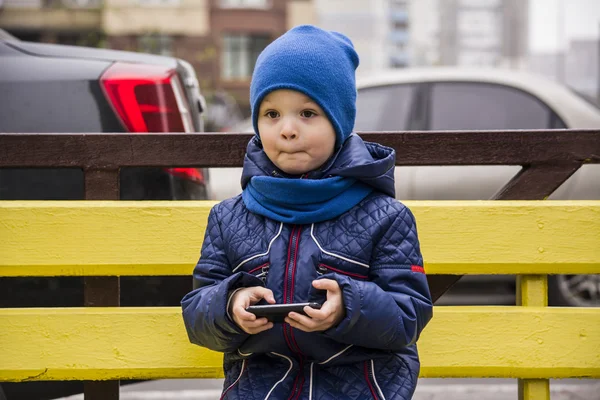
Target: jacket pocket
x,y
323,269
261,271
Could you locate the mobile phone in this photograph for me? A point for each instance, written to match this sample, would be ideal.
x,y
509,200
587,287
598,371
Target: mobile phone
x,y
278,312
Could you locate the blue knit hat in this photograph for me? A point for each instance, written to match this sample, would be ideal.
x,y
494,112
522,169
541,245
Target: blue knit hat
x,y
321,64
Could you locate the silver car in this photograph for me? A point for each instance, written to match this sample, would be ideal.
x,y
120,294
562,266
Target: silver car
x,y
452,98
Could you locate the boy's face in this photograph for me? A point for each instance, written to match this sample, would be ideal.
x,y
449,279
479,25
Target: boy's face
x,y
295,132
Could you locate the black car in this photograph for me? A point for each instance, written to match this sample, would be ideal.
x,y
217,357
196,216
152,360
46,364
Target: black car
x,y
47,88
69,89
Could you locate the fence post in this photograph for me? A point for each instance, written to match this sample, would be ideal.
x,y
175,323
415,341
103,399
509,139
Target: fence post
x,y
101,291
532,291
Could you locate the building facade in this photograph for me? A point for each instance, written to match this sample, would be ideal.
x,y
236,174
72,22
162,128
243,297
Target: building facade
x,y
399,36
424,29
469,32
582,69
577,67
364,22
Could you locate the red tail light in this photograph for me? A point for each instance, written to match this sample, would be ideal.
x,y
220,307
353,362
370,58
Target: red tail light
x,y
191,174
150,98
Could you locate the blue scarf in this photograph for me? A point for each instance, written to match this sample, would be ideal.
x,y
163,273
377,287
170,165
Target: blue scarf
x,y
303,201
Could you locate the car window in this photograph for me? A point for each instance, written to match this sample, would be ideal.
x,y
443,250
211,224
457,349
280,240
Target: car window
x,y
384,108
483,106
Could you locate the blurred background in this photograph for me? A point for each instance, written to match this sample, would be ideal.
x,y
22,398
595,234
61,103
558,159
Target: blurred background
x,y
217,43
494,64
425,65
558,39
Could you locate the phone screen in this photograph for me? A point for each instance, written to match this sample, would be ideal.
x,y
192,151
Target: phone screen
x,y
278,312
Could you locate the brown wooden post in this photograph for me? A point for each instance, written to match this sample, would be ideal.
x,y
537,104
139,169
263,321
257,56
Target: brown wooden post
x,y
101,291
537,182
531,183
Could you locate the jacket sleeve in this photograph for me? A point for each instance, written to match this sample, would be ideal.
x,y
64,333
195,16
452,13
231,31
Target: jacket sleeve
x,y
205,308
391,309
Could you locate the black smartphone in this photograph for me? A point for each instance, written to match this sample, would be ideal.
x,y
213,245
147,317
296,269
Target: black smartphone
x,y
278,312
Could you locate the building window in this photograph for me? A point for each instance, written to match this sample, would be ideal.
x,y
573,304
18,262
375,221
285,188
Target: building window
x,y
399,61
245,3
82,3
399,26
22,4
240,53
168,3
156,44
400,47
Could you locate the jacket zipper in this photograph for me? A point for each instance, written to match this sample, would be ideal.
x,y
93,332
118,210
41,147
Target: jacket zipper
x,y
368,378
288,284
289,298
292,280
297,388
295,241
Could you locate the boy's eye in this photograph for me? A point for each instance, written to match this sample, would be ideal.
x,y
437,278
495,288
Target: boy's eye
x,y
307,114
272,114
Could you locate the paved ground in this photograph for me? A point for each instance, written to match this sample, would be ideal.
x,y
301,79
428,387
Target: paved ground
x,y
428,389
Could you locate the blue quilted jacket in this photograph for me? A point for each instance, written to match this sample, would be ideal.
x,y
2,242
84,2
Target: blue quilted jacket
x,y
372,251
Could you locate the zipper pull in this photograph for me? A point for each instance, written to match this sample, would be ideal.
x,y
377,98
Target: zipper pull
x,y
263,274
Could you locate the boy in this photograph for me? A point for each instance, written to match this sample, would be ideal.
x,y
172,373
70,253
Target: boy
x,y
317,222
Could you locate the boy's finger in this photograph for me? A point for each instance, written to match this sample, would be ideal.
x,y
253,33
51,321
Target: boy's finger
x,y
256,324
328,308
242,314
260,292
262,328
326,284
255,330
317,314
299,325
302,320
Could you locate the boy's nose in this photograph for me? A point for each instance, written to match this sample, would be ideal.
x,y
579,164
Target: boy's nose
x,y
288,130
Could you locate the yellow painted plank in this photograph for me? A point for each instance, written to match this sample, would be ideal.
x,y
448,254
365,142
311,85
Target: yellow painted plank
x,y
515,342
164,238
146,343
100,344
534,389
100,238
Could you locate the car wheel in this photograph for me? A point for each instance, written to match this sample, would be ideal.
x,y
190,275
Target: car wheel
x,y
574,290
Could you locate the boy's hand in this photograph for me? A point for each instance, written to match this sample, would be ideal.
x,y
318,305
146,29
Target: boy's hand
x,y
330,314
247,297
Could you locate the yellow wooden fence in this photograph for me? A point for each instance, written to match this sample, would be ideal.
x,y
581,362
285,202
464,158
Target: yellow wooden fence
x,y
531,239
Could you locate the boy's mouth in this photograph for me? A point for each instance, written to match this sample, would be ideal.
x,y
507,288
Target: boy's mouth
x,y
291,152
